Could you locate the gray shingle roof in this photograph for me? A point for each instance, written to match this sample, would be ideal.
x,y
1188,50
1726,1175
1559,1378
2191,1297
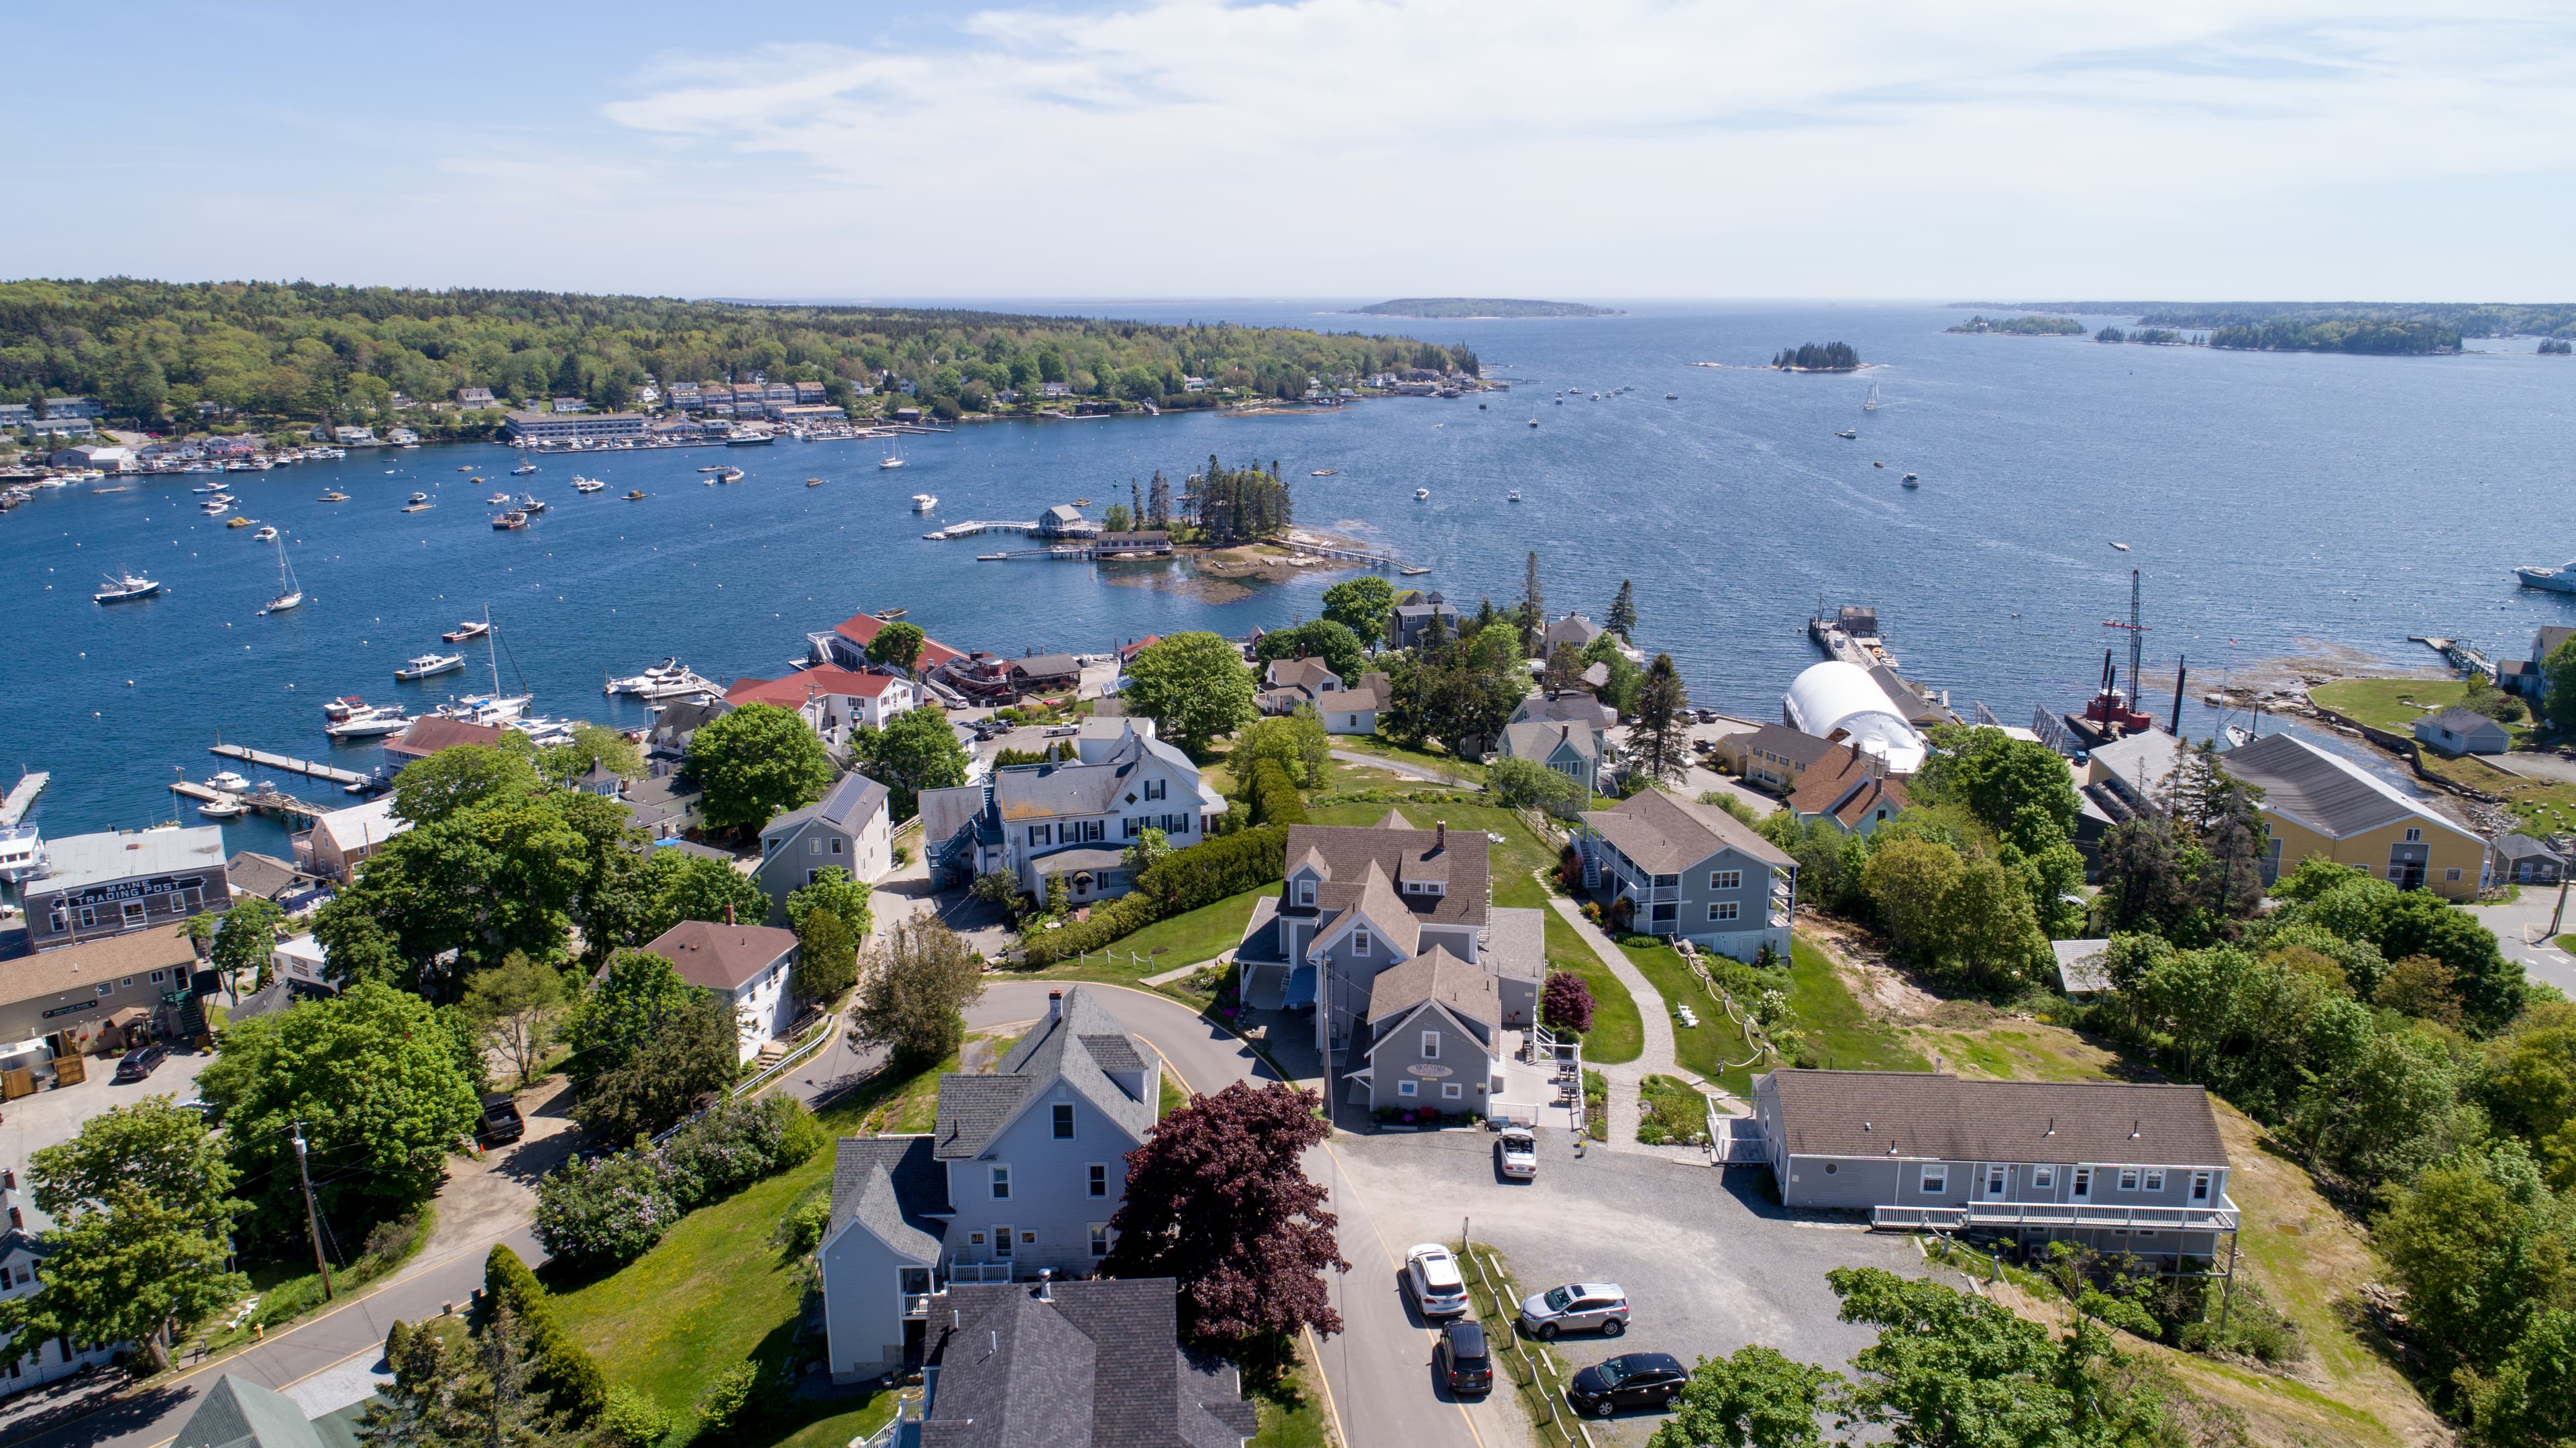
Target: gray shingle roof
x,y
238,1413
1350,851
1096,1365
895,1186
974,1109
1537,741
848,805
2518,846
2323,791
1435,976
1942,1117
1516,948
1666,834
1566,708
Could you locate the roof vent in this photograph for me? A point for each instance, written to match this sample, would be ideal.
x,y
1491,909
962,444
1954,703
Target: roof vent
x,y
1046,1284
1864,1126
2052,1127
2133,1128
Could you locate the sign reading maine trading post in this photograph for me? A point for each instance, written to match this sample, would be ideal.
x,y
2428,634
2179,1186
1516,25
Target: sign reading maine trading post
x,y
117,892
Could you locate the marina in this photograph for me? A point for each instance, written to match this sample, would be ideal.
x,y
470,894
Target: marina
x,y
22,796
287,764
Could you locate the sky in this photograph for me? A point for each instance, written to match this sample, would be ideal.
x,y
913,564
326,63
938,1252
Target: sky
x,y
1600,150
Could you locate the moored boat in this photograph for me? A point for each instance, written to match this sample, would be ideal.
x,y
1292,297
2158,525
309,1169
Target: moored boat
x,y
124,586
472,628
425,666
2561,579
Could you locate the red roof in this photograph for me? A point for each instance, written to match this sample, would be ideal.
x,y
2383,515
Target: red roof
x,y
792,691
431,733
861,629
1129,653
719,957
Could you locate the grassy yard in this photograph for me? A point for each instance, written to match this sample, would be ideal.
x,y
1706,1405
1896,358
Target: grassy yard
x,y
1714,1048
1618,1033
1437,762
2547,805
1839,1032
2394,704
1184,939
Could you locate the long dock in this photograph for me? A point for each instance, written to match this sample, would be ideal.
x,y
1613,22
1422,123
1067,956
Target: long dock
x,y
1373,557
267,799
293,766
31,783
970,528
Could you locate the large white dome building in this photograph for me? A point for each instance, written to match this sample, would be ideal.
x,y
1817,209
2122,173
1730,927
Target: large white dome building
x,y
1836,697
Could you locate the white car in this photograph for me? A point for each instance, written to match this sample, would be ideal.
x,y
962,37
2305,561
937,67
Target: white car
x,y
1432,1275
1519,1151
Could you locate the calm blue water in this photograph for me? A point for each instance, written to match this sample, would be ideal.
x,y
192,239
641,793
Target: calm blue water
x,y
2270,500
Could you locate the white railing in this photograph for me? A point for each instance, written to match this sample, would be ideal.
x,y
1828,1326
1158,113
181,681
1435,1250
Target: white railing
x,y
2056,1214
980,1271
1918,1216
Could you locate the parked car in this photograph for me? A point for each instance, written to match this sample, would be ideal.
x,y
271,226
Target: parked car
x,y
1518,1152
1464,1363
1576,1307
1631,1380
1433,1277
142,1061
502,1123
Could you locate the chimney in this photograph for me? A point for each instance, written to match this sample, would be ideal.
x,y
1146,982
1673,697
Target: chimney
x,y
1055,1006
728,912
1439,835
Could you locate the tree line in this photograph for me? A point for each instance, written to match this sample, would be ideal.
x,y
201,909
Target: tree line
x,y
1819,357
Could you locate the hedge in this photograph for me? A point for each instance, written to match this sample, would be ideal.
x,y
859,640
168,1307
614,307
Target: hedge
x,y
1273,795
564,1369
1180,881
612,1211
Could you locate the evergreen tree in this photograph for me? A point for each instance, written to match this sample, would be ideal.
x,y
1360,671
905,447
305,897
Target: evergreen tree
x,y
1533,602
1661,735
1623,611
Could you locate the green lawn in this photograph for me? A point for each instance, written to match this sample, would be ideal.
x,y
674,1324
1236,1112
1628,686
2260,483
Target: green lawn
x,y
1838,1031
2395,704
1291,1415
1370,744
1617,1033
718,1291
1714,1048
1185,939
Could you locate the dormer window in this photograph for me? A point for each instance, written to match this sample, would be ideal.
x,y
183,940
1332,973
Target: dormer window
x,y
1425,887
1360,941
1305,892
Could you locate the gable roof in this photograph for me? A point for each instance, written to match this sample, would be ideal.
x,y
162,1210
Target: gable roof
x,y
896,1188
362,825
862,629
1438,978
2323,791
2079,965
2545,641
1093,1364
1795,745
2519,846
1565,708
1079,1047
683,716
1308,674
1573,629
817,682
1846,786
1045,791
2461,721
1047,666
1349,854
431,733
850,804
715,956
1666,834
239,1413
1538,740
82,968
1938,1116
267,876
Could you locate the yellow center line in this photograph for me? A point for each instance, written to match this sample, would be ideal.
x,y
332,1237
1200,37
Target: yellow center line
x,y
1340,1174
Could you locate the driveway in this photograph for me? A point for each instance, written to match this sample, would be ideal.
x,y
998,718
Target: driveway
x,y
2521,928
1708,1264
50,1118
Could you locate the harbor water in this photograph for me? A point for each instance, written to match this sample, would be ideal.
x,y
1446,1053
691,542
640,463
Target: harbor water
x,y
2274,502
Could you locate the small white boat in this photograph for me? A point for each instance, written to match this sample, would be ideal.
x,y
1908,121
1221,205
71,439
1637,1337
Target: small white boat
x,y
530,504
267,533
587,485
370,724
1515,497
2123,547
425,666
523,469
491,709
223,809
1422,495
1846,434
472,628
1912,482
123,586
497,498
923,502
229,781
1533,422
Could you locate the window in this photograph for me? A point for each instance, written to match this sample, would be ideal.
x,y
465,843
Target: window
x,y
1451,1090
2414,836
1002,1243
1001,1184
61,919
1725,879
1064,1121
975,1239
1100,1239
156,977
814,846
134,912
1157,788
836,847
1667,914
1131,827
2452,874
2128,1179
89,916
1722,910
1360,942
1431,1045
1099,1175
2200,1186
2043,1176
1408,1087
913,1281
2083,1181
1037,834
105,989
2156,1180
1936,1179
1305,892
126,981
1028,1239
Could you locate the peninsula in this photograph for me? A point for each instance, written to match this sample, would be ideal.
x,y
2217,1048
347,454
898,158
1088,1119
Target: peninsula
x,y
2024,326
1480,309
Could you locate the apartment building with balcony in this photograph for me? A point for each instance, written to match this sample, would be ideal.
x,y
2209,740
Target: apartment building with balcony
x,y
1673,867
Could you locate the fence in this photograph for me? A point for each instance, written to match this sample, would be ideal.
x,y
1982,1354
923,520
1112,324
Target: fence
x,y
1540,1378
1749,1025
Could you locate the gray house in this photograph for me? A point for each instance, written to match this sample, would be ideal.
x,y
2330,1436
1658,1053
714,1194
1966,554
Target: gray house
x,y
1683,869
1571,749
2521,860
846,829
880,1256
1074,1365
110,883
1435,1037
2463,731
1412,616
2115,1165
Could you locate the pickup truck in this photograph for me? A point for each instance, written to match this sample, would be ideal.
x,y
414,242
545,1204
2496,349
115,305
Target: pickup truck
x,y
502,1123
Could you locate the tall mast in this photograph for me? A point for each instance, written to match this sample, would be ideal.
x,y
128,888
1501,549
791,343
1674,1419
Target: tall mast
x,y
493,651
2137,638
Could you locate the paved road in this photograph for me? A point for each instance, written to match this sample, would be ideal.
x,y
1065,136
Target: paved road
x,y
2519,930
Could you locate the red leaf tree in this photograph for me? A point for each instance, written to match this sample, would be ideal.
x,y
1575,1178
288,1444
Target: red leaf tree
x,y
1566,1005
1218,1198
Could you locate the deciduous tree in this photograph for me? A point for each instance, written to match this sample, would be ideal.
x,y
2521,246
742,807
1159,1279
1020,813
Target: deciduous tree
x,y
1757,1398
827,955
1361,605
1327,639
914,987
1218,1198
1296,741
693,1050
620,1009
1528,784
897,644
1566,1003
513,1009
461,776
916,750
832,889
756,761
246,940
1194,686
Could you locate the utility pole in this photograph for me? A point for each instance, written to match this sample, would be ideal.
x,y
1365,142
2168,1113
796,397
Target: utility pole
x,y
312,1217
2560,911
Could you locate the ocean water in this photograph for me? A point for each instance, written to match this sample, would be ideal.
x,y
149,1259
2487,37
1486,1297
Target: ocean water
x,y
2271,502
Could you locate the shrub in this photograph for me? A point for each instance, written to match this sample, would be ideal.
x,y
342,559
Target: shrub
x,y
736,1399
604,1212
735,1143
1182,880
564,1369
1274,795
632,1420
1566,1004
801,1230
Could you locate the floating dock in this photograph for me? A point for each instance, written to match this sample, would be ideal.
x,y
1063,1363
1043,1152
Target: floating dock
x,y
294,766
267,799
970,528
31,783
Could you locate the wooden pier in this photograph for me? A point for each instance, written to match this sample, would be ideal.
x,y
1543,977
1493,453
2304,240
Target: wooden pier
x,y
267,799
1372,557
972,527
22,795
294,766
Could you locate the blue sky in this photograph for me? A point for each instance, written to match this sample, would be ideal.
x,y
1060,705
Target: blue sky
x,y
1613,148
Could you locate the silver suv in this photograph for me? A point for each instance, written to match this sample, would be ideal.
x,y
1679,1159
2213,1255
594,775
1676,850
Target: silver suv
x,y
1576,1307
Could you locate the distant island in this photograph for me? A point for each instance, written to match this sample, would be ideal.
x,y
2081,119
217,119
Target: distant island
x,y
2384,329
1819,357
1480,308
2027,326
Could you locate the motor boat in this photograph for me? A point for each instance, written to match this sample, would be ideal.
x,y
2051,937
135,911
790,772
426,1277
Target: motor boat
x,y
813,482
2561,579
342,707
335,496
496,499
229,781
427,666
1515,497
529,504
924,502
124,586
239,522
510,522
523,469
636,495
267,533
665,680
1846,434
486,709
370,724
1422,495
223,809
214,507
472,628
587,485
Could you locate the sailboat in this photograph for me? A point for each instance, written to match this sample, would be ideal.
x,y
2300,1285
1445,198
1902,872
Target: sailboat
x,y
892,459
492,708
1870,403
290,594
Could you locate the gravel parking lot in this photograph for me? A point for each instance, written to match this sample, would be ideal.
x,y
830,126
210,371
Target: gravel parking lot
x,y
50,1118
1709,1266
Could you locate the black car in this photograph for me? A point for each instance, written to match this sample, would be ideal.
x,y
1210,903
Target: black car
x,y
1631,1380
142,1061
1462,1359
501,1121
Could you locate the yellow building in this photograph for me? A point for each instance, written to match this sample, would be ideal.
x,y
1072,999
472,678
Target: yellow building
x,y
2317,803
